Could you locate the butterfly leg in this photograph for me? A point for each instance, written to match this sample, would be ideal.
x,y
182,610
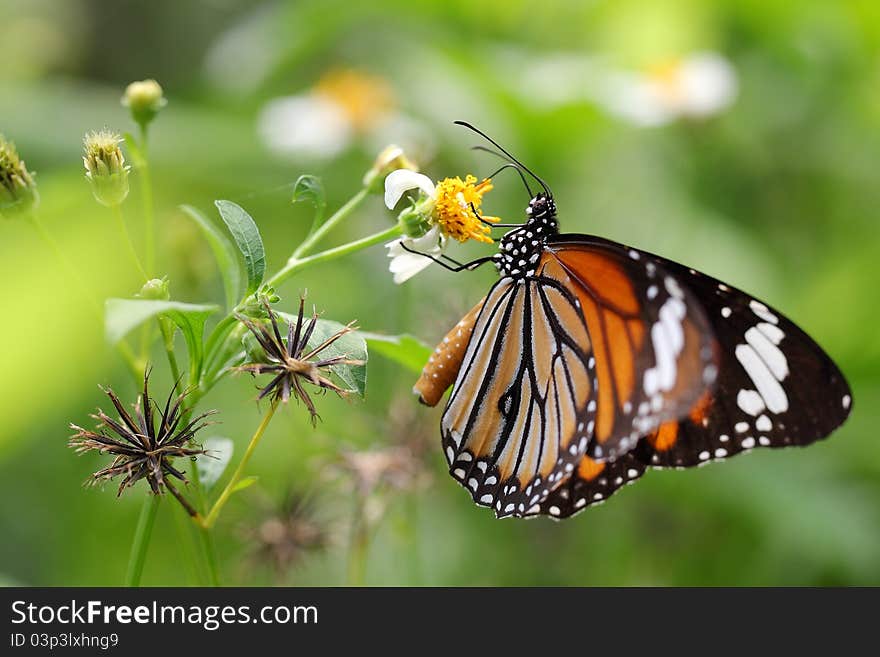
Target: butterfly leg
x,y
489,223
457,266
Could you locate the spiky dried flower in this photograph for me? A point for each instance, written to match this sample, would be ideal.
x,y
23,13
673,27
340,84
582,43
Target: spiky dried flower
x,y
142,447
288,532
290,360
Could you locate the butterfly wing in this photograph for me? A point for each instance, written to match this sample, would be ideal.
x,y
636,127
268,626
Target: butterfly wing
x,y
776,387
653,346
592,483
519,416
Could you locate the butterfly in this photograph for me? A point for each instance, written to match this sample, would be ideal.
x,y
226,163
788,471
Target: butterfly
x,y
589,361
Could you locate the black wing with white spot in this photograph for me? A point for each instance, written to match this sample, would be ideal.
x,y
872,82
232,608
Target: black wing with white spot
x,y
593,483
776,387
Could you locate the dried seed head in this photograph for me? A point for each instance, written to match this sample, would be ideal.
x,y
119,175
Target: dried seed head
x,y
144,443
105,167
290,360
18,191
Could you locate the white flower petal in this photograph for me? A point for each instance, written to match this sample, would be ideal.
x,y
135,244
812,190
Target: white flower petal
x,y
309,126
708,84
404,264
403,180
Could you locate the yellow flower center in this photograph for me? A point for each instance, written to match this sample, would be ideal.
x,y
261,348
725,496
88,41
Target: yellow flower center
x,y
457,208
365,99
667,78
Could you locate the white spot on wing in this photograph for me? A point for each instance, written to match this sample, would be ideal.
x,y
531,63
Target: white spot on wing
x,y
763,312
774,396
750,402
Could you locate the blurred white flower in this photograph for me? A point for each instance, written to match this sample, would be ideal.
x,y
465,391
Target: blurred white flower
x,y
696,86
307,125
323,121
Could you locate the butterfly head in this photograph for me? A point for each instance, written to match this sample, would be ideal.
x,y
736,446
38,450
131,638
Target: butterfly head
x,y
541,207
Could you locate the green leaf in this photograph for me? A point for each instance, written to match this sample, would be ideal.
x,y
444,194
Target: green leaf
x,y
123,315
406,350
311,189
224,253
247,238
247,482
134,150
351,345
212,465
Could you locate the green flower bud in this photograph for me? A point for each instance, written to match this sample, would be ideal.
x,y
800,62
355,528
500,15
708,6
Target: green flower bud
x,y
105,167
144,99
155,289
18,191
390,159
415,220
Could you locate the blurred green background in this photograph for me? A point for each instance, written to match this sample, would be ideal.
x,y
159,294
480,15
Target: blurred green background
x,y
776,192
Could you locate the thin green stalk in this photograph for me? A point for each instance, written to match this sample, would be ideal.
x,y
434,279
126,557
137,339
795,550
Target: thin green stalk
x,y
211,518
297,264
317,235
186,540
168,341
210,554
358,549
122,346
206,539
142,540
147,198
126,237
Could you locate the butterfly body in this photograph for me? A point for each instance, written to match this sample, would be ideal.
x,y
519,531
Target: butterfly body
x,y
589,361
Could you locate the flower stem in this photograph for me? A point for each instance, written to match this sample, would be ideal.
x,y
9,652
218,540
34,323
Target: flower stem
x,y
124,349
317,235
142,540
360,541
126,237
211,518
296,264
147,198
168,341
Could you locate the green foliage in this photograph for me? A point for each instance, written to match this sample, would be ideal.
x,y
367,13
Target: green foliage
x,y
213,463
406,350
247,238
124,315
224,254
310,189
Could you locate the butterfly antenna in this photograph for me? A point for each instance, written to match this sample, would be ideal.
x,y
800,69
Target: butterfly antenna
x,y
508,165
503,150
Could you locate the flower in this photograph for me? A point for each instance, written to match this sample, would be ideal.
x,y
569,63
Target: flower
x,y
449,209
391,158
696,86
105,167
18,191
405,264
323,122
144,99
291,362
287,533
142,447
